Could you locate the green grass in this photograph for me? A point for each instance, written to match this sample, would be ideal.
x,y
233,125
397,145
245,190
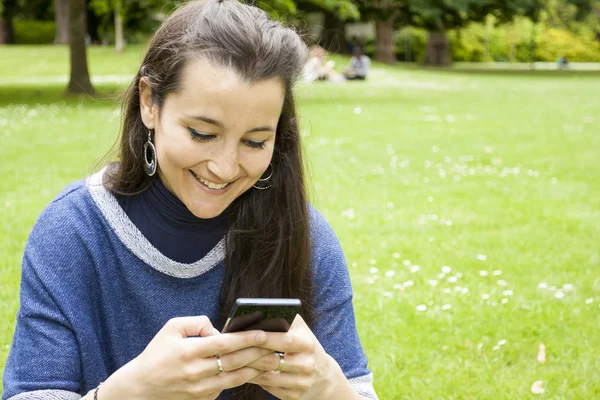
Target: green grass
x,y
520,184
38,61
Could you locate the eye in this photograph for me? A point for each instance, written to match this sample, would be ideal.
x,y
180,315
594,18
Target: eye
x,y
256,145
200,136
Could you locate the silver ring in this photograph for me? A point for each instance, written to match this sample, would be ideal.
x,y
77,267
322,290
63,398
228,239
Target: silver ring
x,y
220,365
281,362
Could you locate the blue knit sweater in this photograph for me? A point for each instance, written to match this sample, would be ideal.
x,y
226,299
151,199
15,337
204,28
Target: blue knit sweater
x,y
94,292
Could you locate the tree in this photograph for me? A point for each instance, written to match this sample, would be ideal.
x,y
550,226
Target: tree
x,y
384,34
34,10
119,35
336,12
438,16
61,18
387,15
8,9
552,10
333,38
79,81
116,8
120,12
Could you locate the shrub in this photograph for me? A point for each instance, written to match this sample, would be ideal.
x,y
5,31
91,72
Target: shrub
x,y
34,32
512,42
467,44
507,42
554,43
415,38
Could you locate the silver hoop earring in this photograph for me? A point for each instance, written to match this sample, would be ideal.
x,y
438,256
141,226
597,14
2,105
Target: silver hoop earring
x,y
150,162
264,183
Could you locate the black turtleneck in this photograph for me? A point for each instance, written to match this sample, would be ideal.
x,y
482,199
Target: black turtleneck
x,y
168,224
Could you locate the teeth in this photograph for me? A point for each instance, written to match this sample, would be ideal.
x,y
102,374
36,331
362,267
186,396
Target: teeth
x,y
212,185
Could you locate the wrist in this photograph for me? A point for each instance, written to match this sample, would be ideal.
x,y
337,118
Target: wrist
x,y
122,384
338,385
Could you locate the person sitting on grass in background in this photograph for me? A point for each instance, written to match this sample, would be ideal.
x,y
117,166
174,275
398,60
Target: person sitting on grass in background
x,y
317,68
128,276
562,62
359,65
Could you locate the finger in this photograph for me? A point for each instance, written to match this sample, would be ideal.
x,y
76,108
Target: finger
x,y
299,323
190,326
225,343
298,341
226,380
242,358
269,362
196,370
283,380
293,363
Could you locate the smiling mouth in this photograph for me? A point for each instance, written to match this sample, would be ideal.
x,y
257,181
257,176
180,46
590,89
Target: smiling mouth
x,y
209,184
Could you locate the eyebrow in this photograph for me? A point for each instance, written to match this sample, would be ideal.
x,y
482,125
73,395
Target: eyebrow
x,y
220,124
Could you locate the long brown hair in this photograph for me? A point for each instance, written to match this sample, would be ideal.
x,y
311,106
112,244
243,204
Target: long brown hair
x,y
268,244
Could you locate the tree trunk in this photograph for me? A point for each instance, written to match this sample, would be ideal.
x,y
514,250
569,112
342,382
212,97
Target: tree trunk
x,y
333,38
384,46
61,17
438,49
7,29
79,81
119,39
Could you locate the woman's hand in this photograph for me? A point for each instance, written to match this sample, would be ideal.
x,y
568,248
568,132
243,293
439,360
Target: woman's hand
x,y
176,366
308,371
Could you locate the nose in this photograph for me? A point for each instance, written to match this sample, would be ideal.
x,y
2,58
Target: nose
x,y
225,164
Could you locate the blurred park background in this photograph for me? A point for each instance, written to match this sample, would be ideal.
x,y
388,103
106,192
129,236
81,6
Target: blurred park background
x,y
462,177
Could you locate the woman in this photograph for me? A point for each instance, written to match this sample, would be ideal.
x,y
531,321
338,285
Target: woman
x,y
127,276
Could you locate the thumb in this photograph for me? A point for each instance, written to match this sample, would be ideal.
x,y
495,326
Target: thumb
x,y
191,326
299,323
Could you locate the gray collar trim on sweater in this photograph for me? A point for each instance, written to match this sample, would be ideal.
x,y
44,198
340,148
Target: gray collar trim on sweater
x,y
137,243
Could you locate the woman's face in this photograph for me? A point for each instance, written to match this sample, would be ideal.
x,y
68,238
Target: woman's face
x,y
215,136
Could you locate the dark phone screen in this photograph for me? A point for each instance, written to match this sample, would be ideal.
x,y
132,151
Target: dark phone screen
x,y
269,318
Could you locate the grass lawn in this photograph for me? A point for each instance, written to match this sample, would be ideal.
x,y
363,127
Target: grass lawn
x,y
468,205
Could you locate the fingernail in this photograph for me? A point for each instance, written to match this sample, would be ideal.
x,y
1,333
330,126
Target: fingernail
x,y
216,332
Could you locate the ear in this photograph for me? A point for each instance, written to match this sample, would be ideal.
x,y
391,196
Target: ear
x,y
147,109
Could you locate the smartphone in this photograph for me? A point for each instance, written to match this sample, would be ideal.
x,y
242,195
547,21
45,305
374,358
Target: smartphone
x,y
270,315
